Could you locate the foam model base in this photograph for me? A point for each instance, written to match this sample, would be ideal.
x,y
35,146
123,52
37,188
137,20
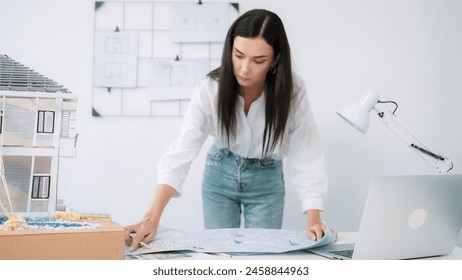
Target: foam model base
x,y
94,240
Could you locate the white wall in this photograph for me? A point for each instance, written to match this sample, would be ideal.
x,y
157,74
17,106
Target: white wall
x,y
408,50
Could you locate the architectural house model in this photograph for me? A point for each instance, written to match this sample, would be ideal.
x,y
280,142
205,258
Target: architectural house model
x,y
37,138
37,150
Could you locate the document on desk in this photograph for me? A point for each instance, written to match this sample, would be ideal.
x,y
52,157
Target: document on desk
x,y
232,240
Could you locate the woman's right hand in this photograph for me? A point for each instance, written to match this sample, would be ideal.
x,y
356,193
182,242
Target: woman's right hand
x,y
144,231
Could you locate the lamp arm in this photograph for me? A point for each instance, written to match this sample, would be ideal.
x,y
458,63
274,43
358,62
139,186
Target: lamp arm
x,y
440,163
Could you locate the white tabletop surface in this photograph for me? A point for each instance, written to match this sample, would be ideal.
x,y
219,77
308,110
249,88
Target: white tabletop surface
x,y
343,237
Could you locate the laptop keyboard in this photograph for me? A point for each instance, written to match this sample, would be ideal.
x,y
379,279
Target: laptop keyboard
x,y
343,253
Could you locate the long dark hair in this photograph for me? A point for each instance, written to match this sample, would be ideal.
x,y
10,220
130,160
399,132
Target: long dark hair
x,y
278,85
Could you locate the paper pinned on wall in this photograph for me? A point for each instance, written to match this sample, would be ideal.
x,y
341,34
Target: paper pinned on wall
x,y
116,59
207,22
175,79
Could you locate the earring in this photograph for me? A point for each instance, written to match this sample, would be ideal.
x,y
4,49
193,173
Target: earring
x,y
273,69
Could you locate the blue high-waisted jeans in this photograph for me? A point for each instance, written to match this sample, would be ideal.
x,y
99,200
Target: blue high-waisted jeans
x,y
233,185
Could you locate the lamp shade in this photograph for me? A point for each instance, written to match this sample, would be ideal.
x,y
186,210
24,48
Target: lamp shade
x,y
357,115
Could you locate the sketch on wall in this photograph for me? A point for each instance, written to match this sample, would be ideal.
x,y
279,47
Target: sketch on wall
x,y
116,58
200,23
175,79
178,43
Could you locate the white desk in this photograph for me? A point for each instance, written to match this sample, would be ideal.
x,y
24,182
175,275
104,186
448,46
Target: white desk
x,y
343,237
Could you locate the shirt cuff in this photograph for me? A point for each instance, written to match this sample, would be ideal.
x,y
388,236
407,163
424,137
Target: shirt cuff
x,y
172,182
313,203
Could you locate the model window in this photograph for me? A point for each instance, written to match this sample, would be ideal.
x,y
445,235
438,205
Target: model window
x,y
46,122
40,187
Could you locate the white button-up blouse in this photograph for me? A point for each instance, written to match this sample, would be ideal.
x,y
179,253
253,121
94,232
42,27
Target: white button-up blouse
x,y
301,147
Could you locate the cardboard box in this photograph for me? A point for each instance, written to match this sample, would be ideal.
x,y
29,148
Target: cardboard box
x,y
103,243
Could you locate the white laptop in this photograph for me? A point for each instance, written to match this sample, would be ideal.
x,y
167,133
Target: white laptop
x,y
406,217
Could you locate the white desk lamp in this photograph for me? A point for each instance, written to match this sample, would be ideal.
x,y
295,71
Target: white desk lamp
x,y
357,115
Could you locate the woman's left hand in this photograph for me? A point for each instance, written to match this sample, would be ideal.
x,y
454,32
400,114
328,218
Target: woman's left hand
x,y
316,231
316,228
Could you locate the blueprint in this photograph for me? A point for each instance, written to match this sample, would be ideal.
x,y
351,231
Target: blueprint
x,y
116,63
200,23
175,79
232,241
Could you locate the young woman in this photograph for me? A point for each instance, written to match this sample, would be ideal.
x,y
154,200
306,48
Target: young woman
x,y
258,112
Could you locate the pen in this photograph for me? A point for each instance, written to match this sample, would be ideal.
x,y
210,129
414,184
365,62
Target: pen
x,y
221,254
146,245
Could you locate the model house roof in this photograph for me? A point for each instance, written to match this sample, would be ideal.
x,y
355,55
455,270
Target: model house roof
x,y
16,77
